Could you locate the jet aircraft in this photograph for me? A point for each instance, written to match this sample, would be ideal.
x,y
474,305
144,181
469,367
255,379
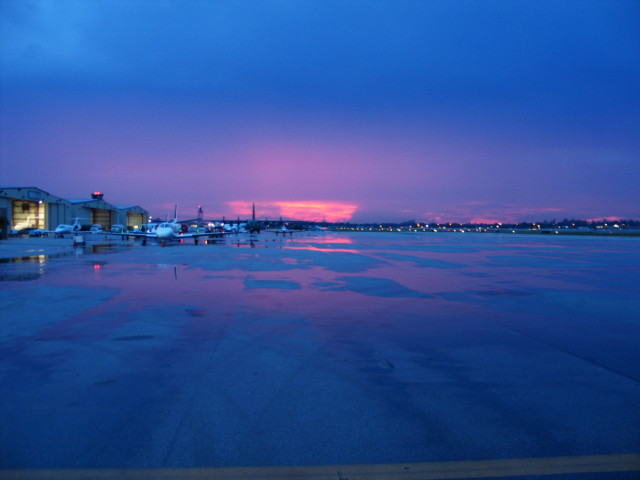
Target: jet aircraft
x,y
64,228
282,230
26,224
170,231
253,226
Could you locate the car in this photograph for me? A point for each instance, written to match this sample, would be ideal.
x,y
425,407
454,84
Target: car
x,y
38,232
23,231
96,228
117,228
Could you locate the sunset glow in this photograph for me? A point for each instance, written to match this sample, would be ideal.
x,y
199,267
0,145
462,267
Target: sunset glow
x,y
307,211
317,211
324,250
426,111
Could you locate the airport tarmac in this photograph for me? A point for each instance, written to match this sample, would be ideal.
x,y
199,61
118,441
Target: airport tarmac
x,y
321,356
25,246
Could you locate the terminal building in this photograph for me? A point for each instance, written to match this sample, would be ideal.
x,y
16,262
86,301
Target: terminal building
x,y
32,207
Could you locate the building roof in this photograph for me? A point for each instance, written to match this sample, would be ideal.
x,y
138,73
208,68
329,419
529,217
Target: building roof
x,y
29,193
131,207
92,203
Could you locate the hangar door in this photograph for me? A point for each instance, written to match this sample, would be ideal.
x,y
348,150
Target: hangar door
x,y
101,217
135,219
26,214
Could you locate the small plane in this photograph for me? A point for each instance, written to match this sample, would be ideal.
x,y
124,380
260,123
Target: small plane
x,y
26,224
253,226
169,231
237,227
283,230
64,228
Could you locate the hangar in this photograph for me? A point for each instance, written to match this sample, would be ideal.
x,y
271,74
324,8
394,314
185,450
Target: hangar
x,y
26,207
131,216
93,211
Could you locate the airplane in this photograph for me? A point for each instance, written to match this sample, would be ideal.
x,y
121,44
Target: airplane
x,y
238,227
64,228
27,224
169,231
253,226
283,230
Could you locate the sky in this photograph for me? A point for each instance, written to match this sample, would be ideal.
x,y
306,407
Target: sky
x,y
337,110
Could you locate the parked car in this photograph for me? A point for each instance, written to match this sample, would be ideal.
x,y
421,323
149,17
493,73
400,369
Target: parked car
x,y
39,232
23,231
117,228
96,228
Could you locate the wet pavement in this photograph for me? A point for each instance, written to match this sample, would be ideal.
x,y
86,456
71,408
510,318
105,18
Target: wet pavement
x,y
319,349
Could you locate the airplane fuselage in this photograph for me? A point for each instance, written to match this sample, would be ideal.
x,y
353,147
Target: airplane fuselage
x,y
62,228
167,231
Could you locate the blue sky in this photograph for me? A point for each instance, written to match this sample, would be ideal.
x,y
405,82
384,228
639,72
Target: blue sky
x,y
378,110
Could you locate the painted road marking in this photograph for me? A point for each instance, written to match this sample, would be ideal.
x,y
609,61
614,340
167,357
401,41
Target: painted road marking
x,y
627,462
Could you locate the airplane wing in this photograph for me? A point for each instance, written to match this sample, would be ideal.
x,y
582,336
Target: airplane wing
x,y
283,232
202,234
155,236
131,234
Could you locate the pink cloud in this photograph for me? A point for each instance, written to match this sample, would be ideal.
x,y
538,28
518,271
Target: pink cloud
x,y
604,219
314,211
485,220
318,211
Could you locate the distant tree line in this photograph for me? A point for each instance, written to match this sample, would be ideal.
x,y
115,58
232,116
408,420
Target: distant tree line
x,y
546,224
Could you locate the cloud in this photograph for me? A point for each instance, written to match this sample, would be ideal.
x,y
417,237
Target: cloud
x,y
381,111
313,211
318,211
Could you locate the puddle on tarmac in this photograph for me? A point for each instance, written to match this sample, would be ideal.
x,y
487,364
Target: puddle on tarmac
x,y
32,267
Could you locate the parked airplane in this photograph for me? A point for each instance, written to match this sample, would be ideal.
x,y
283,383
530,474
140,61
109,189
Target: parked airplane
x,y
282,230
253,226
238,227
169,231
26,224
64,228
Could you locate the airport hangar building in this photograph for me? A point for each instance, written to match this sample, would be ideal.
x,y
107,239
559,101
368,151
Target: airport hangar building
x,y
25,207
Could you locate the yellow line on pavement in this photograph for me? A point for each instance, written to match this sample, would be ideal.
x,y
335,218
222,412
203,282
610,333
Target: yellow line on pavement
x,y
627,462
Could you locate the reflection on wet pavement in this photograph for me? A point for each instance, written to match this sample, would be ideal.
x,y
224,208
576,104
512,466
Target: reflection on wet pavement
x,y
320,349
